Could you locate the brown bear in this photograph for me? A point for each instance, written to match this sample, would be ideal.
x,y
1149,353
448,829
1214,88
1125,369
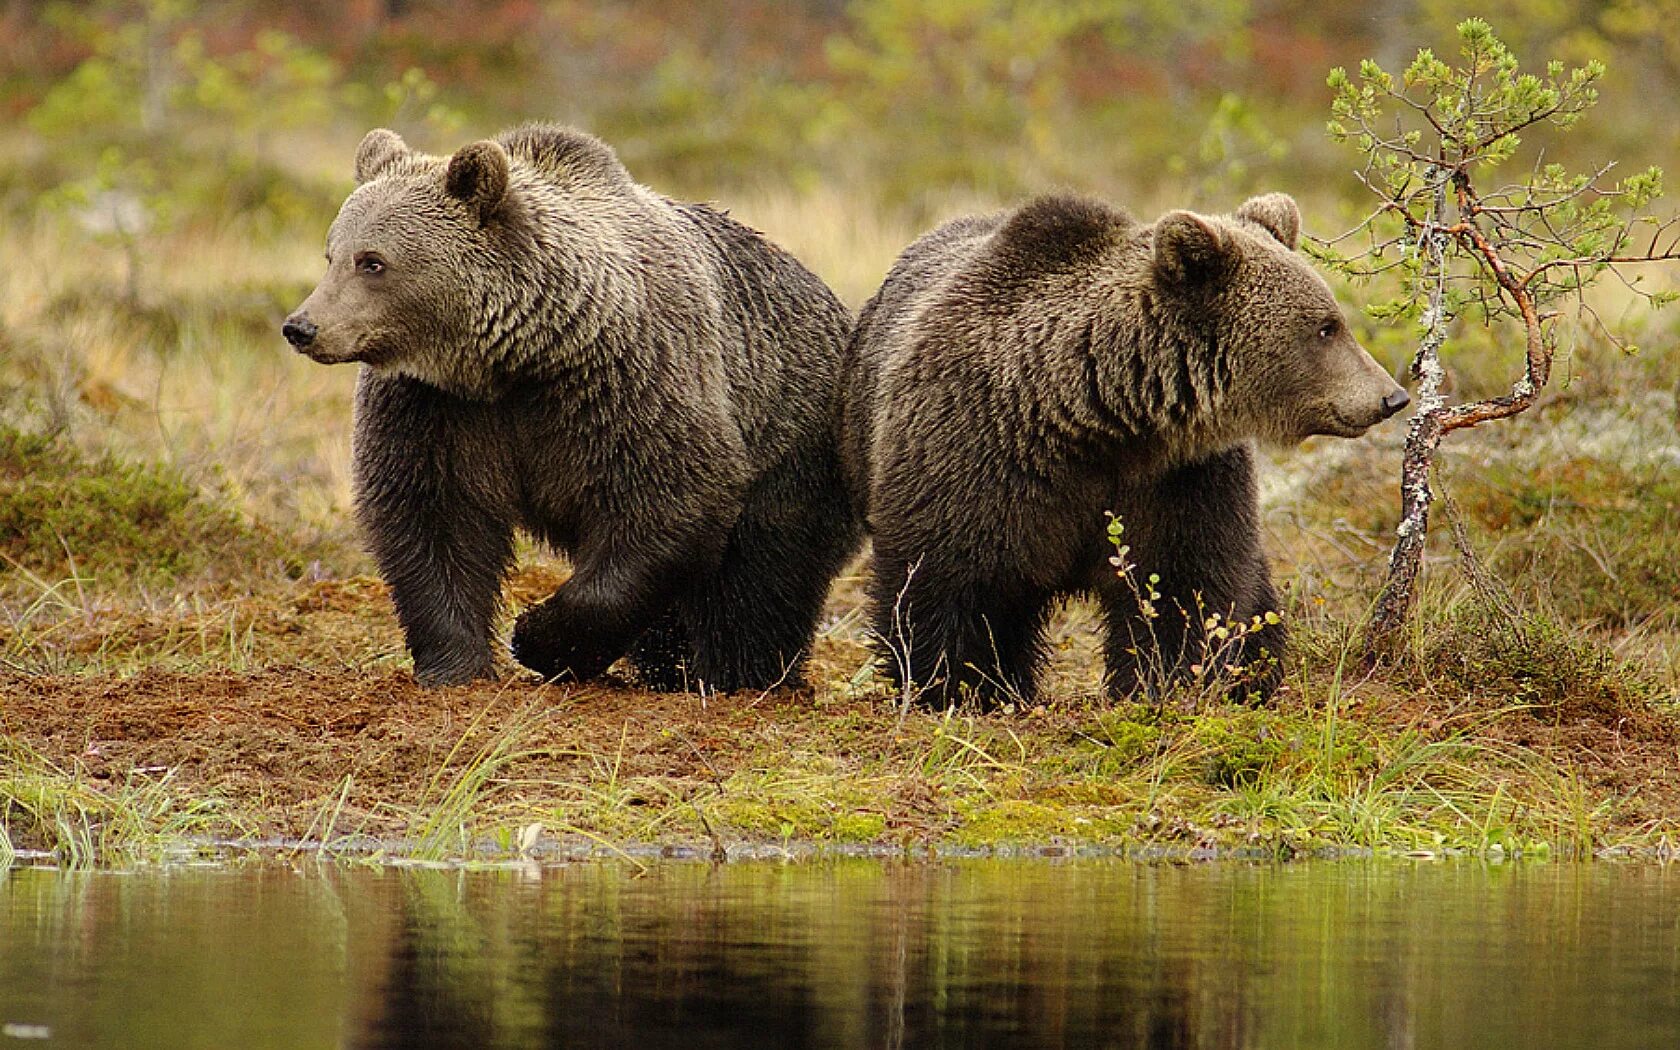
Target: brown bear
x,y
646,385
1019,376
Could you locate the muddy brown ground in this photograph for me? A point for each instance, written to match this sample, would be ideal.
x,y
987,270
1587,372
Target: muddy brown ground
x,y
280,743
323,733
287,751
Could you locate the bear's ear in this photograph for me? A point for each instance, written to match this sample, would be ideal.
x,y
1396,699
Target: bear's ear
x,y
1277,213
380,149
1188,248
478,175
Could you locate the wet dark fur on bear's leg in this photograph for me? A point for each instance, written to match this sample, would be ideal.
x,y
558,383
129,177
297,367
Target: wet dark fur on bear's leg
x,y
750,624
1201,537
442,537
589,622
662,654
955,635
629,578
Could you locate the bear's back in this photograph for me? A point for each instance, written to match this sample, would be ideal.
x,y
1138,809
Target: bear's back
x,y
708,286
1048,237
961,295
977,270
784,331
885,323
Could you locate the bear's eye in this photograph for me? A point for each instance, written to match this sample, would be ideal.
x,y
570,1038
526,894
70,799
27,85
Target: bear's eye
x,y
370,264
1327,329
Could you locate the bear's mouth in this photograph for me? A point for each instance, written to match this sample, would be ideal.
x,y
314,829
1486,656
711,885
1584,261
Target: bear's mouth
x,y
1345,427
322,357
366,351
371,350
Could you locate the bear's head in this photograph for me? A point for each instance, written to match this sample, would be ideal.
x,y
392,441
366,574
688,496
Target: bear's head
x,y
1289,367
412,263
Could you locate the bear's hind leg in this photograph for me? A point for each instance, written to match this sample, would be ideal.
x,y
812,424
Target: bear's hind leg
x,y
752,624
949,641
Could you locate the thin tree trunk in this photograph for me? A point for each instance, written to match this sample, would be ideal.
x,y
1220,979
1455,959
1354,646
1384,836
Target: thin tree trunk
x,y
1399,593
1423,436
1434,418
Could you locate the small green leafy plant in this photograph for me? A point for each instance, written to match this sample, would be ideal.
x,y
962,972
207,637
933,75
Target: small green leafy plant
x,y
1215,661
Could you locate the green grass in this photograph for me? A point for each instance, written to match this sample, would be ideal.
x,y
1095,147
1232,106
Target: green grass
x,y
79,822
448,817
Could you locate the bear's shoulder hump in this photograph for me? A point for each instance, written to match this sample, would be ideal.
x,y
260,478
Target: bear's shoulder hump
x,y
564,152
1060,231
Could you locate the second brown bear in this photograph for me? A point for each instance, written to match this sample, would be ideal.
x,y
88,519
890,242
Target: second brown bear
x,y
1018,376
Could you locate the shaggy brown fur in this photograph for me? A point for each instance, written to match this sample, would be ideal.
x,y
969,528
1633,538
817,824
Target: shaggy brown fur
x,y
647,385
1019,375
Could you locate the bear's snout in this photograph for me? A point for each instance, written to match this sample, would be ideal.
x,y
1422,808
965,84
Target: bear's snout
x,y
1362,392
299,331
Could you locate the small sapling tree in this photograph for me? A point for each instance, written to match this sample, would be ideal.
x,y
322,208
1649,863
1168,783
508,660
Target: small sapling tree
x,y
1467,241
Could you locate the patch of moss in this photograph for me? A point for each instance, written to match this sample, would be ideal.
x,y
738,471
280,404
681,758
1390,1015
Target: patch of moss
x,y
988,822
1115,743
858,826
1241,746
817,808
1131,734
113,518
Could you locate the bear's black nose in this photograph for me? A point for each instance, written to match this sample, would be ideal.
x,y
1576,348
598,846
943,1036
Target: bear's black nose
x,y
1391,404
300,332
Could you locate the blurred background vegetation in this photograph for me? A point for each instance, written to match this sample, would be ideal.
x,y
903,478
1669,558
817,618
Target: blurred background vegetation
x,y
165,113
1191,98
168,169
173,479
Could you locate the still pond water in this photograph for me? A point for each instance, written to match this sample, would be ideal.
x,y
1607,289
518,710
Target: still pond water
x,y
985,954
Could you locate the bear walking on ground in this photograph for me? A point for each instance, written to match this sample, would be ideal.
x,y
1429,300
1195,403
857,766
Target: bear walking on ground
x,y
1020,375
646,385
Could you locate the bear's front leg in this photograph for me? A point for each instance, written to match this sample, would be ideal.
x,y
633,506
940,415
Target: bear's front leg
x,y
610,601
448,615
428,496
1196,530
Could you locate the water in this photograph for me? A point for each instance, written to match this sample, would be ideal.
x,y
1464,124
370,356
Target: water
x,y
991,954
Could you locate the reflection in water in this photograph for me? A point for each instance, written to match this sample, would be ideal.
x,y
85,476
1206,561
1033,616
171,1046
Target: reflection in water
x,y
856,955
994,954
